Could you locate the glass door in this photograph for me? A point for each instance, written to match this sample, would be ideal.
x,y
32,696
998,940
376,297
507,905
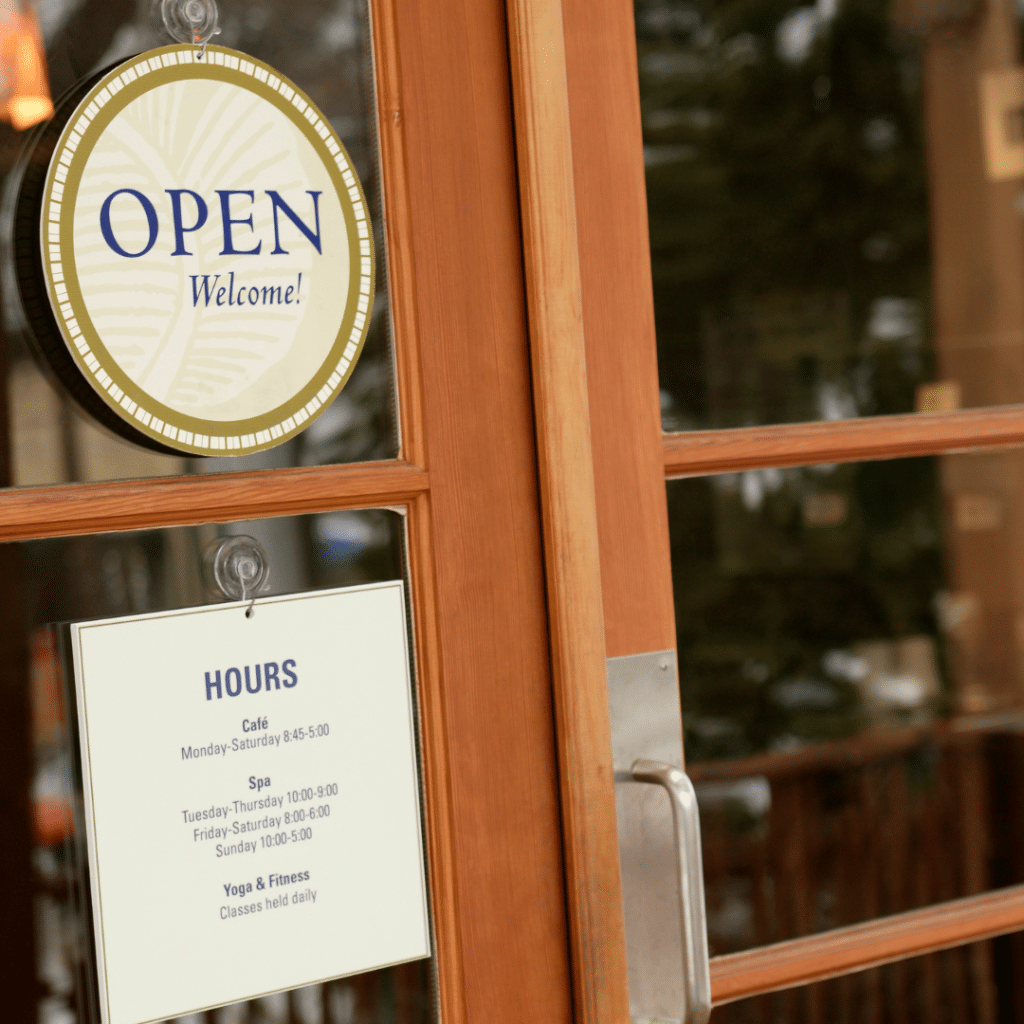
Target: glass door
x,y
432,454
823,202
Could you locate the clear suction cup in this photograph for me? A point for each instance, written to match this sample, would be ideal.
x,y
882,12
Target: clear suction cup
x,y
236,566
190,21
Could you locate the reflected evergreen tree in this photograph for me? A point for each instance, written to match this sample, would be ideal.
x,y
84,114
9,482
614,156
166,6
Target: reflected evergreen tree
x,y
785,156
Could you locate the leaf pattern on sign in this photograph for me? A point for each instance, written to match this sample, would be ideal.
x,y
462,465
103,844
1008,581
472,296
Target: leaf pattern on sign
x,y
158,320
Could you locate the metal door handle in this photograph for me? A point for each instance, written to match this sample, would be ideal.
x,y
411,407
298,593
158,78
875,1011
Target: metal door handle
x,y
686,818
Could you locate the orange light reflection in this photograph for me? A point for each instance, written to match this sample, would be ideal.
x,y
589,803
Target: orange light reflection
x,y
24,90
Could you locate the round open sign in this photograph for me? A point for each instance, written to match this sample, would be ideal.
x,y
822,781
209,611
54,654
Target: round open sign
x,y
206,251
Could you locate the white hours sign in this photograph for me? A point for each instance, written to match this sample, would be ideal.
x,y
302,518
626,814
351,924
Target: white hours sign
x,y
251,798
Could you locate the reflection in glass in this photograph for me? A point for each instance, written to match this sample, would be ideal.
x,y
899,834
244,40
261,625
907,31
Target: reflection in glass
x,y
972,983
116,574
850,646
325,48
834,215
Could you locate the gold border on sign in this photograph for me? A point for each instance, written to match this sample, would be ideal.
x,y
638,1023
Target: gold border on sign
x,y
109,97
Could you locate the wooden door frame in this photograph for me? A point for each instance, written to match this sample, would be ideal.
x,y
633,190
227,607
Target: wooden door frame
x,y
633,461
468,480
498,282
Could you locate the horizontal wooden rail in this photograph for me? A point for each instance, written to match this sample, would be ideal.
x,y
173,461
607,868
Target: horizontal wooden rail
x,y
872,438
861,946
853,751
185,501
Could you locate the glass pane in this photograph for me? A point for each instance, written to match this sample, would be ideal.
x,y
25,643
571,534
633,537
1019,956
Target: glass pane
x,y
978,983
851,657
834,216
325,49
117,574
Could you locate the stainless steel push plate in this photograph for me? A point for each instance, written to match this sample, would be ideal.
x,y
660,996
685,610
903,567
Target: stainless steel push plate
x,y
659,844
643,698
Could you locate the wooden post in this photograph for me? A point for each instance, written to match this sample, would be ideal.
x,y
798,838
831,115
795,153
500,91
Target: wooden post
x,y
978,273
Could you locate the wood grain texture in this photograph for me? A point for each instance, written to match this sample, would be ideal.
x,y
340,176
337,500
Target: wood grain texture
x,y
437,783
495,692
571,544
399,228
618,316
439,826
879,437
183,501
881,941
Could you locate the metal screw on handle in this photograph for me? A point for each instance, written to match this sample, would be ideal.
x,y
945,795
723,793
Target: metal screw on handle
x,y
237,567
686,818
190,21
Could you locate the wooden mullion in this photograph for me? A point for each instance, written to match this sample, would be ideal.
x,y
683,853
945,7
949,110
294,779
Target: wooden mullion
x,y
568,506
856,948
879,437
398,225
439,823
186,501
434,728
